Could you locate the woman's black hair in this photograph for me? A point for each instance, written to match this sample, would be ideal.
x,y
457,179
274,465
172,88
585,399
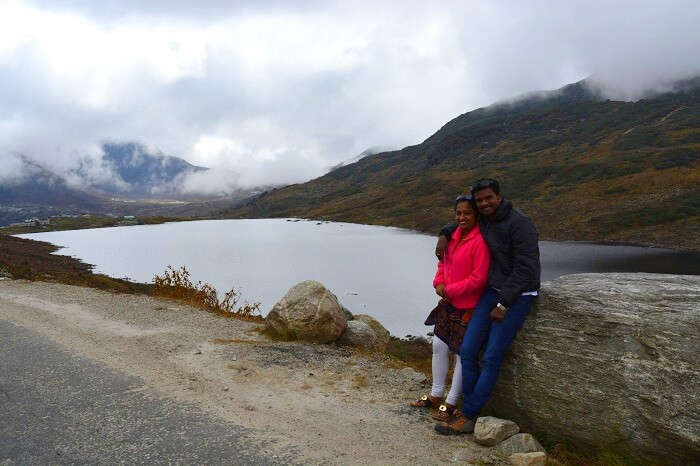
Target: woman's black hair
x,y
466,198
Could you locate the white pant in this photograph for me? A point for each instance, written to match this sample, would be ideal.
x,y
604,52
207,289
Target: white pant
x,y
441,362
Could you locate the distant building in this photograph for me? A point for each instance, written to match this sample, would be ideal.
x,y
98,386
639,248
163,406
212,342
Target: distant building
x,y
128,220
32,222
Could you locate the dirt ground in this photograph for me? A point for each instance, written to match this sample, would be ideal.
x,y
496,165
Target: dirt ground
x,y
327,404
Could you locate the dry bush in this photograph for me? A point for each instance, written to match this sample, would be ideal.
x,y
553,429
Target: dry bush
x,y
176,284
416,352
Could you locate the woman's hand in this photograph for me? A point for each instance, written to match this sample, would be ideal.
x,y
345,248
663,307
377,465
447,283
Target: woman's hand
x,y
440,290
497,314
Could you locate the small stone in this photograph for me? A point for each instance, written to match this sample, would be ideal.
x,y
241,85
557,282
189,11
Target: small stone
x,y
519,443
466,456
359,334
536,458
348,315
490,430
411,374
383,335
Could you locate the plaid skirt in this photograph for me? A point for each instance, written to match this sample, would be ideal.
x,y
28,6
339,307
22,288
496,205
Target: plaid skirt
x,y
450,323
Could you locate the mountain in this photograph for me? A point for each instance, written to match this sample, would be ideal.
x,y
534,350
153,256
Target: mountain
x,y
137,172
151,181
42,193
357,158
583,167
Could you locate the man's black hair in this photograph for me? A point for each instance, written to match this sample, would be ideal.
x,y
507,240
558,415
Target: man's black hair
x,y
485,183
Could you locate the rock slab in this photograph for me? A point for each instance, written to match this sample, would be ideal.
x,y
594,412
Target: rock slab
x,y
491,431
610,361
308,312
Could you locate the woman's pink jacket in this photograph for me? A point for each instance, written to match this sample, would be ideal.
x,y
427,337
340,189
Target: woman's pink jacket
x,y
464,268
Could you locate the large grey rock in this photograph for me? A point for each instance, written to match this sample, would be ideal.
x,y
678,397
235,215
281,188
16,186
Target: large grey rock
x,y
490,430
610,361
519,443
379,330
359,334
307,312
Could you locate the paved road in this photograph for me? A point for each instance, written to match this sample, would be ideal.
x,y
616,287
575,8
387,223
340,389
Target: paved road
x,y
57,408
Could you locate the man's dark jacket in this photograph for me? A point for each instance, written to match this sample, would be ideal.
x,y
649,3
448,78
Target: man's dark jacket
x,y
515,255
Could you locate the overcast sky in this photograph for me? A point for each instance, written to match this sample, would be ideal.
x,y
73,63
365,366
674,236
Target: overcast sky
x,y
275,92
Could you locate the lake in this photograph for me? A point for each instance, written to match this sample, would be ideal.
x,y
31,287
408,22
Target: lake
x,y
381,271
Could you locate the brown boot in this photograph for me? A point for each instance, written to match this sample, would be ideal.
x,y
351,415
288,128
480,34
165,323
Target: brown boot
x,y
444,412
459,425
426,401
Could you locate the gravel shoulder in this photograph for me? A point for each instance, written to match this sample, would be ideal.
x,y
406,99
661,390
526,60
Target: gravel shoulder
x,y
328,404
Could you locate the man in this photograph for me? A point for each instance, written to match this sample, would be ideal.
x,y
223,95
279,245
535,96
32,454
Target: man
x,y
513,281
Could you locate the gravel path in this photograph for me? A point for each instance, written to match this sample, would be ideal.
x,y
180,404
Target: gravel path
x,y
317,403
58,408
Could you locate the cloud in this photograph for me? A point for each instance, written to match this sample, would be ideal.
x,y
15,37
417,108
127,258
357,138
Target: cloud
x,y
12,170
276,92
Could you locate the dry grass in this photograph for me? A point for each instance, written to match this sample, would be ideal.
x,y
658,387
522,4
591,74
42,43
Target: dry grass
x,y
416,352
359,381
234,341
176,284
562,454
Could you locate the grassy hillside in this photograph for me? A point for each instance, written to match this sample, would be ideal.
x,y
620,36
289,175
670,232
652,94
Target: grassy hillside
x,y
583,168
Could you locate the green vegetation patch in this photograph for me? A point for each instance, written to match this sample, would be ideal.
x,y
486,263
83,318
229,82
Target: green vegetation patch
x,y
641,137
679,157
650,213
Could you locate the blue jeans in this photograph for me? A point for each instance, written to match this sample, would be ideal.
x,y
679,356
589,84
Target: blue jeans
x,y
497,336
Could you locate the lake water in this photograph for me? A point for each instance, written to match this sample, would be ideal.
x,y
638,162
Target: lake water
x,y
384,272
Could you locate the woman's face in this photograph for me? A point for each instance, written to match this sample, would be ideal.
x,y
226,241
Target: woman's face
x,y
465,216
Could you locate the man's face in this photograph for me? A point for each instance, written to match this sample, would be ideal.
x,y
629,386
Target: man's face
x,y
487,201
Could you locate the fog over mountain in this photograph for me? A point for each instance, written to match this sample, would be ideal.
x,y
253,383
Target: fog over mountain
x,y
274,92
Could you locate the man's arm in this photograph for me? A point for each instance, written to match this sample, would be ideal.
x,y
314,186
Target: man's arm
x,y
526,261
443,238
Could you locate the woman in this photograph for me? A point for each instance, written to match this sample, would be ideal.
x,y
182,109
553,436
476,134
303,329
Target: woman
x,y
459,281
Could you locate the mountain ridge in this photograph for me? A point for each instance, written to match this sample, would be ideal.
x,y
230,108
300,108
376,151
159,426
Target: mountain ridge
x,y
584,167
126,181
136,172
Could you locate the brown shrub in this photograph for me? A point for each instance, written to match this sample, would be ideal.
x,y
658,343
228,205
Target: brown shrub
x,y
176,284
